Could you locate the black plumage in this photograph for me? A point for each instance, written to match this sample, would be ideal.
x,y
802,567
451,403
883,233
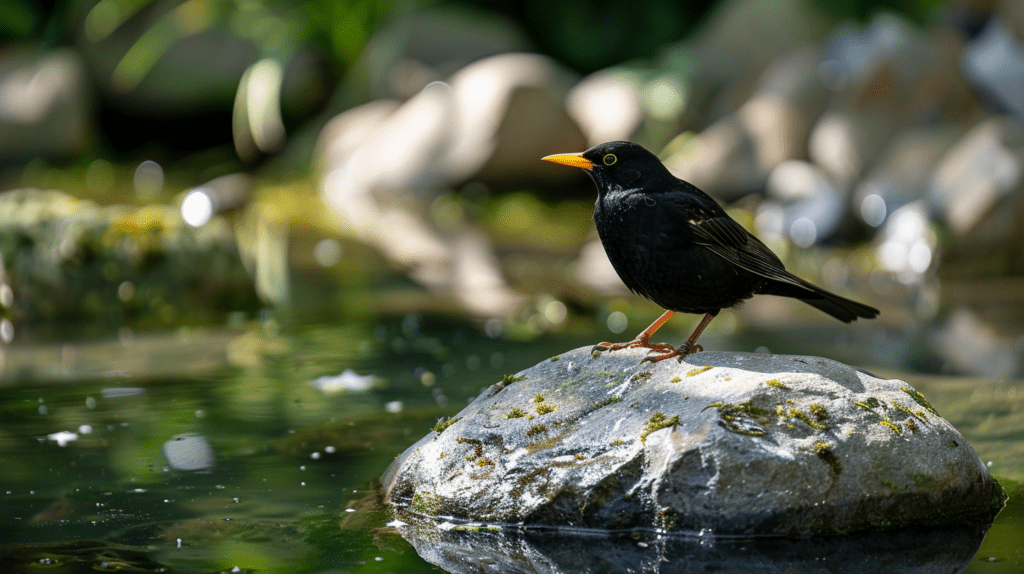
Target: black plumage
x,y
673,244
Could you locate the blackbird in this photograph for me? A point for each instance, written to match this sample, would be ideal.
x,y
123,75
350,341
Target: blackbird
x,y
673,244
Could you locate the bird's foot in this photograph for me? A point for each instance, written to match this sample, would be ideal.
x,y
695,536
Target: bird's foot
x,y
654,347
680,353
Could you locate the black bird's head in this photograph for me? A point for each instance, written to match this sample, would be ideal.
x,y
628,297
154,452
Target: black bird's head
x,y
618,164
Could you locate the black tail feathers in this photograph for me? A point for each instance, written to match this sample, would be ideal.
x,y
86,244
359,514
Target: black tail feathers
x,y
841,308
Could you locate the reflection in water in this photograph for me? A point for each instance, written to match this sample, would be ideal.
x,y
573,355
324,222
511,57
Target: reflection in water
x,y
551,550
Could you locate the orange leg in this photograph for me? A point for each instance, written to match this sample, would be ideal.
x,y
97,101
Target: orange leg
x,y
641,340
687,348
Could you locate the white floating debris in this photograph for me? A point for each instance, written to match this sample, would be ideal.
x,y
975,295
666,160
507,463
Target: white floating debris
x,y
62,438
347,381
393,407
189,452
396,524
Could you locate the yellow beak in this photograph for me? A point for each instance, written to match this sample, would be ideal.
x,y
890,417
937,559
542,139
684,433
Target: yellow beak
x,y
571,159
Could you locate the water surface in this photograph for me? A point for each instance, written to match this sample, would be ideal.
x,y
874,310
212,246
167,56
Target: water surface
x,y
212,449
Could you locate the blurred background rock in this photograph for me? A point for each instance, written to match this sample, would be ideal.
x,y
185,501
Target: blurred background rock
x,y
175,163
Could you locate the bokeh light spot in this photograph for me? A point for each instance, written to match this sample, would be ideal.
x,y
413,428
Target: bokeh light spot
x,y
663,98
617,322
327,252
803,232
555,312
873,210
197,208
149,179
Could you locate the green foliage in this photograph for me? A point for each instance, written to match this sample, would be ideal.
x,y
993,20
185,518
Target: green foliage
x,y
592,34
18,19
346,25
862,10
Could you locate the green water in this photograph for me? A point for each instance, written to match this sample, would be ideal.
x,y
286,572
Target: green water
x,y
287,485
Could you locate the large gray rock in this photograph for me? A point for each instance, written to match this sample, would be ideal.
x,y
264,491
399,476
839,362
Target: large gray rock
x,y
721,160
995,63
903,173
734,156
978,176
730,443
788,101
607,106
510,111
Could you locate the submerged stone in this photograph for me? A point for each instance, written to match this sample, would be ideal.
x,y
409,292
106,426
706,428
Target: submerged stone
x,y
732,443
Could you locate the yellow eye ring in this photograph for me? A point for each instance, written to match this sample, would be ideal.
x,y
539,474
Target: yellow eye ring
x,y
610,159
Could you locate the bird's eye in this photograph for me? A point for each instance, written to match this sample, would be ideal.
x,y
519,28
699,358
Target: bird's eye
x,y
610,159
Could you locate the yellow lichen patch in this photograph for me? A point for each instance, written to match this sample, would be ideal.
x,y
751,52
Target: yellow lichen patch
x,y
538,399
868,404
509,379
535,430
732,416
515,414
918,414
425,503
442,425
775,383
824,452
892,426
657,422
545,409
674,380
802,416
919,399
698,370
819,411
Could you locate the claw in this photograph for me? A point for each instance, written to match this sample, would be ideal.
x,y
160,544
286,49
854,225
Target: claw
x,y
638,342
665,350
682,352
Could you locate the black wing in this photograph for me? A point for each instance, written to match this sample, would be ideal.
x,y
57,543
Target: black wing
x,y
714,230
720,234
